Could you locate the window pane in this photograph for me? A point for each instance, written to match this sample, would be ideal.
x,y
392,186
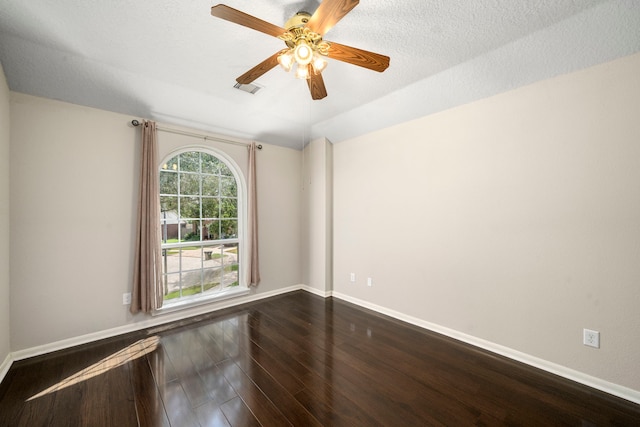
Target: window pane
x,y
171,164
211,278
169,218
230,277
230,266
164,226
190,162
228,229
189,207
212,255
171,286
214,230
210,185
168,182
210,208
203,231
224,170
205,234
191,259
230,251
171,260
189,184
228,187
168,204
229,208
210,164
191,283
191,232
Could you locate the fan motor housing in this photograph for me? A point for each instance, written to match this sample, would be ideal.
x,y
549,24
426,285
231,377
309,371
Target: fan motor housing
x,y
300,19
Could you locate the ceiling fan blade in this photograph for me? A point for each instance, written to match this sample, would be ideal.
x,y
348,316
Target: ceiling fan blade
x,y
316,85
329,13
359,57
259,69
232,15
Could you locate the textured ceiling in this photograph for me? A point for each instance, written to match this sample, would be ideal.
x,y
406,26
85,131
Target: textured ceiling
x,y
173,62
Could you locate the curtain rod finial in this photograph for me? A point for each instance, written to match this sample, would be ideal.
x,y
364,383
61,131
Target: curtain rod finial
x,y
135,122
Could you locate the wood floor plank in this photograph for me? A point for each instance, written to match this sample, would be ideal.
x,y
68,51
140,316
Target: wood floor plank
x,y
196,390
334,409
279,396
210,415
271,364
258,403
212,339
149,406
22,383
177,406
218,388
161,366
238,415
89,373
113,409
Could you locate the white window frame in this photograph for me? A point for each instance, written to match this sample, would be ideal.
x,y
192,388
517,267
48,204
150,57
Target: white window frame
x,y
231,292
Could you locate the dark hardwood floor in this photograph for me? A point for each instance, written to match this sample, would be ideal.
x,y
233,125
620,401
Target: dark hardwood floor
x,y
300,360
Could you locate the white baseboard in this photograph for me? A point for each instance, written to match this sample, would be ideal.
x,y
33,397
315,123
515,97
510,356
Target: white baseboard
x,y
563,371
4,367
316,291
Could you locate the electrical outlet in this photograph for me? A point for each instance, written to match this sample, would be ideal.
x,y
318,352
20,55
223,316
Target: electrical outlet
x,y
369,282
353,277
126,298
591,338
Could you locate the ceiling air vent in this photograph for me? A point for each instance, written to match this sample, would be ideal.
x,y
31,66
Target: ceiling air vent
x,y
250,88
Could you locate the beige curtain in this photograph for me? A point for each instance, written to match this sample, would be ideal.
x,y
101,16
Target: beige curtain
x,y
254,265
147,276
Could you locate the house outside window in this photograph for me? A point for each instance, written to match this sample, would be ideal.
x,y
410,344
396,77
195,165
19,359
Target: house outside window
x,y
200,202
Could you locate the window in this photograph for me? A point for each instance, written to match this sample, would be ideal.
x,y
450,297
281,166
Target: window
x,y
199,204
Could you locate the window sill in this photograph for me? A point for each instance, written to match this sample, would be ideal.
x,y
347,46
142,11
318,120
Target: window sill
x,y
234,292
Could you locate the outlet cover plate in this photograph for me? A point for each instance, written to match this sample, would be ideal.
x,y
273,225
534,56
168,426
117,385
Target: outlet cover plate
x,y
591,338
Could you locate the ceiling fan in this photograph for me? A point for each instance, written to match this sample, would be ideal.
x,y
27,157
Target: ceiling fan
x,y
305,49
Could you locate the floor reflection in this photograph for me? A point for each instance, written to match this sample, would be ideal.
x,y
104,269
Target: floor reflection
x,y
127,354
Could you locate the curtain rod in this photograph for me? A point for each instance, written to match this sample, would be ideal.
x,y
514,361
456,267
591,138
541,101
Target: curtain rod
x,y
136,123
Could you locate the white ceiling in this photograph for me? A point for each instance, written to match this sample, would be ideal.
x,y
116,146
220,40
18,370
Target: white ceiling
x,y
173,62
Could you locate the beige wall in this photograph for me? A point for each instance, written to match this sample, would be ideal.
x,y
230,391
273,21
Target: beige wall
x,y
317,216
73,190
515,219
4,218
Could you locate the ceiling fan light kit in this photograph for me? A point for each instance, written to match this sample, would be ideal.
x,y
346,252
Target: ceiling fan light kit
x,y
286,60
302,72
302,53
305,47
